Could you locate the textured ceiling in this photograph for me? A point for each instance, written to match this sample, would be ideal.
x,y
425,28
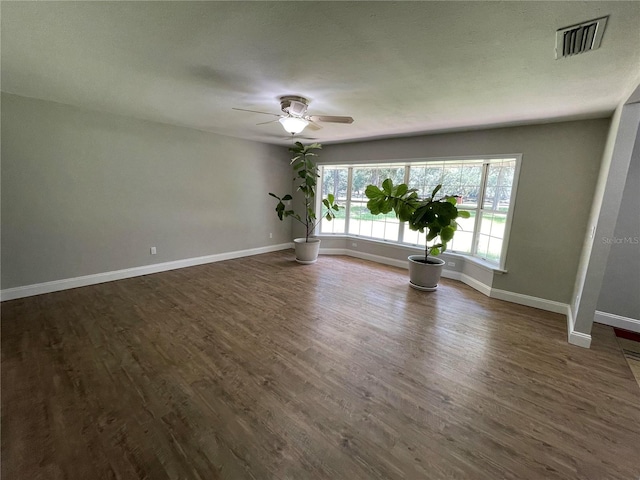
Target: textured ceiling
x,y
397,67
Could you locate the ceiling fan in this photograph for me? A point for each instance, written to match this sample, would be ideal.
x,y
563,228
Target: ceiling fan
x,y
294,116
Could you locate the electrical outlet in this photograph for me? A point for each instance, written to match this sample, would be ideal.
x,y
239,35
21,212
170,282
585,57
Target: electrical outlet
x,y
354,244
271,235
451,264
153,250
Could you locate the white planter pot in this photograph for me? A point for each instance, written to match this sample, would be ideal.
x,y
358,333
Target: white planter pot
x,y
424,276
307,252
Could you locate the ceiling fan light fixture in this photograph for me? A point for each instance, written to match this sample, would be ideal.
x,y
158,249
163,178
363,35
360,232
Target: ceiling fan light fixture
x,y
293,125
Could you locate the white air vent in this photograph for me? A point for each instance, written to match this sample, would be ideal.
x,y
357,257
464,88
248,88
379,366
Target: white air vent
x,y
580,38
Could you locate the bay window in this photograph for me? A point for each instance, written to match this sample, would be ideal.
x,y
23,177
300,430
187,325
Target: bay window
x,y
485,187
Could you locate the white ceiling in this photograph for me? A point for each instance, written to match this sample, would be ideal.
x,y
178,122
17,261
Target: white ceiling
x,y
396,67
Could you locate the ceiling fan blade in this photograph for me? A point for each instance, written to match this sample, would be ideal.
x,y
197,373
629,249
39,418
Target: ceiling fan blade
x,y
255,111
313,126
270,121
331,119
301,137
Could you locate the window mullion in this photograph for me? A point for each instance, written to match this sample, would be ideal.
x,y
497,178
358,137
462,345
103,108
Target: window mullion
x,y
347,208
479,209
403,225
318,198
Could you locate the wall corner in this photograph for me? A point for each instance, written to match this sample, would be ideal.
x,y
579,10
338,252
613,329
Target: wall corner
x,y
578,339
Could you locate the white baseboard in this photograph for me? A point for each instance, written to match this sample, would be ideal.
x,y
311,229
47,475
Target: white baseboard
x,y
365,256
67,283
576,338
580,339
529,301
467,280
626,323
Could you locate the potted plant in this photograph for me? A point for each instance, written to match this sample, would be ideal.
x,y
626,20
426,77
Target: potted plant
x,y
434,216
306,170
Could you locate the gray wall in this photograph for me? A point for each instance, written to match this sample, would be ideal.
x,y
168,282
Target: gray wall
x,y
621,282
559,170
86,192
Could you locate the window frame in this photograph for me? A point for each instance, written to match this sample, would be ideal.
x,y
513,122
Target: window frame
x,y
479,209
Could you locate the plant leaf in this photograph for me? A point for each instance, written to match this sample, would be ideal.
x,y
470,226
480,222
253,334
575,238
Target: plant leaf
x,y
433,232
446,234
373,192
387,186
404,212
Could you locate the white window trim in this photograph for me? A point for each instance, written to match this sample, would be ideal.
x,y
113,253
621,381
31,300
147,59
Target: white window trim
x,y
512,205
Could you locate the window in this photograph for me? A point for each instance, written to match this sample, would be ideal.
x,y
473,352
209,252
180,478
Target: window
x,y
484,185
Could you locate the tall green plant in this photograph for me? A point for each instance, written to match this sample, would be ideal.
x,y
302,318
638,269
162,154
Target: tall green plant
x,y
307,176
436,217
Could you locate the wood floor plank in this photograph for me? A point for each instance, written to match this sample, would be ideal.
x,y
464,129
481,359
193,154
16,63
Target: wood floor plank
x,y
260,368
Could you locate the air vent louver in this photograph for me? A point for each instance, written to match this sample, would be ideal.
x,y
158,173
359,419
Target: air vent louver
x,y
580,38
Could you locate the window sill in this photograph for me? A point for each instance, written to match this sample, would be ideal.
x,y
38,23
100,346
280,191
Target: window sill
x,y
478,261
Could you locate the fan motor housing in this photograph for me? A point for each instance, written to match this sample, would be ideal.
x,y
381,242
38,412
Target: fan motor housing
x,y
294,105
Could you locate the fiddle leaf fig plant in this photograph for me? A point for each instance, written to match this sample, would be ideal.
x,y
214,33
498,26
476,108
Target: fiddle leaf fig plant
x,y
307,177
436,217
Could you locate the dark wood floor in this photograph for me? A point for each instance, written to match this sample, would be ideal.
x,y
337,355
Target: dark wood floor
x,y
243,370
